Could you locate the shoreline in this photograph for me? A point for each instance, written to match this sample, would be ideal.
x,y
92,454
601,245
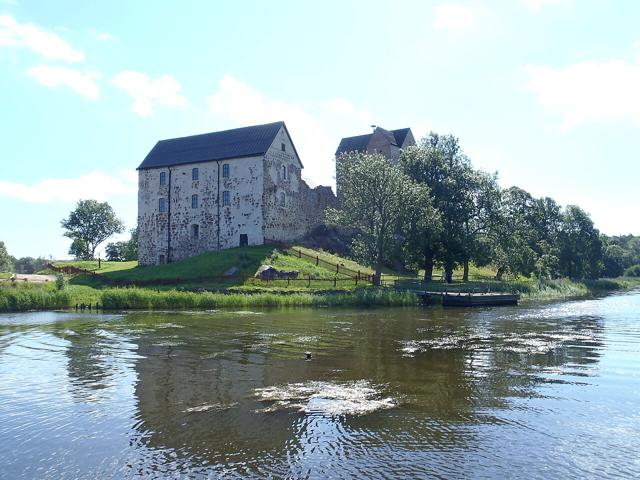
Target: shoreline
x,y
45,298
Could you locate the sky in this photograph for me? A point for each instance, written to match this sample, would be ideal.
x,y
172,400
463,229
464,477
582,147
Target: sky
x,y
545,92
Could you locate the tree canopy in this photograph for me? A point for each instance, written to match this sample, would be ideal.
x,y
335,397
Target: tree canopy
x,y
5,260
90,224
436,209
378,200
123,251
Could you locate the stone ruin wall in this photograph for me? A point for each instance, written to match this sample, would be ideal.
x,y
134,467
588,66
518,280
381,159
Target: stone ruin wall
x,y
304,207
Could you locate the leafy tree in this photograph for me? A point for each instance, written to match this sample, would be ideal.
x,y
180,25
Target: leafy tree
x,y
374,197
546,223
90,224
79,250
115,251
439,163
131,248
123,251
481,201
512,234
633,271
29,264
5,260
580,247
620,253
421,228
615,260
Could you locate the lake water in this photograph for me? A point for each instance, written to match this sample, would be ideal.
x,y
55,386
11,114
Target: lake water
x,y
538,391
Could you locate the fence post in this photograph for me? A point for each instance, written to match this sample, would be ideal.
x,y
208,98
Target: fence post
x,y
356,278
299,253
337,268
317,260
309,280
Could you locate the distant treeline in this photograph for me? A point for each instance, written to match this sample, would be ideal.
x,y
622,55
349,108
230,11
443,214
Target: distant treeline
x,y
9,263
434,209
621,256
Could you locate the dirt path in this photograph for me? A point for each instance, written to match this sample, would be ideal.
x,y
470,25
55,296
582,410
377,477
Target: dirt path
x,y
24,277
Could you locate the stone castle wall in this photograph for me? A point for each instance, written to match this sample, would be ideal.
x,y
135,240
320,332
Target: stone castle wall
x,y
218,226
255,186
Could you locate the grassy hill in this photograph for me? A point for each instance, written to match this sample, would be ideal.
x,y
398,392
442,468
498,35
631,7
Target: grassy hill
x,y
208,270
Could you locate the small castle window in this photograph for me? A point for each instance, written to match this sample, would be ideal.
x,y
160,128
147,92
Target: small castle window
x,y
162,205
283,147
284,172
226,200
195,231
194,174
194,201
283,199
161,260
225,170
163,178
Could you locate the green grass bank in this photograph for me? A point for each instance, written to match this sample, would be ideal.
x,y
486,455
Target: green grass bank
x,y
46,297
199,283
24,297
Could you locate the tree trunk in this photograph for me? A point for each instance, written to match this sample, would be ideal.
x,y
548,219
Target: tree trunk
x,y
448,276
428,270
499,274
377,276
448,270
465,272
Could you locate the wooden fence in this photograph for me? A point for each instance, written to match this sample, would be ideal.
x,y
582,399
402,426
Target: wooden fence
x,y
219,279
339,269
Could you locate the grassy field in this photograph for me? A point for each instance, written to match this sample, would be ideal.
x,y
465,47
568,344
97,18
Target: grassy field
x,y
105,266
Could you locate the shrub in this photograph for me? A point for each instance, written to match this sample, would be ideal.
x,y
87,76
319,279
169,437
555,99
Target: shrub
x,y
61,282
632,271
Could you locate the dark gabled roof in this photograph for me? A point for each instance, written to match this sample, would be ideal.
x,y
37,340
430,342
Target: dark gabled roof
x,y
400,135
238,142
353,144
359,143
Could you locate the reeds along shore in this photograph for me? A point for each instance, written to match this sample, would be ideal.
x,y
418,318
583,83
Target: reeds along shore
x,y
145,299
46,297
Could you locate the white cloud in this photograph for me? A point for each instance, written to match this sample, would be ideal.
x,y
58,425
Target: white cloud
x,y
96,185
588,91
148,93
47,44
537,5
83,84
102,36
316,127
453,16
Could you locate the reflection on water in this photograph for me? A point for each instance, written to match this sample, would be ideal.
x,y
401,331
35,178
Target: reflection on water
x,y
539,391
